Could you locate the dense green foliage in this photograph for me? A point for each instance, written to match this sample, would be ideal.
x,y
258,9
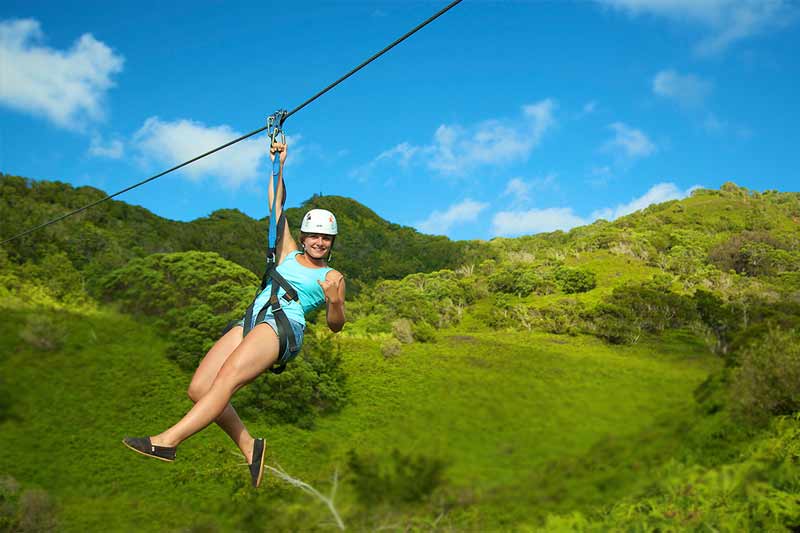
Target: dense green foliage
x,y
520,280
755,493
634,309
635,375
25,510
572,280
397,480
194,294
767,382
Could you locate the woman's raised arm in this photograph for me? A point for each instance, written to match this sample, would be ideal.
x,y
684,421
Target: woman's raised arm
x,y
285,242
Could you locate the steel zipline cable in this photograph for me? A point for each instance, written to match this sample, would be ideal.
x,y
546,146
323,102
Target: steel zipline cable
x,y
243,137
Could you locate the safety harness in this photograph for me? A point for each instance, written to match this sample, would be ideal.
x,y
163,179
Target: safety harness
x,y
271,275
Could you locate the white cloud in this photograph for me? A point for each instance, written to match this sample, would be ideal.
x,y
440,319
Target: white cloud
x,y
402,153
686,89
513,223
440,222
523,222
729,21
171,143
629,141
661,192
64,86
456,149
518,189
494,142
113,149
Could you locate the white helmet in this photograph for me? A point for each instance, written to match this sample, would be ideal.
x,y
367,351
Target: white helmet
x,y
319,221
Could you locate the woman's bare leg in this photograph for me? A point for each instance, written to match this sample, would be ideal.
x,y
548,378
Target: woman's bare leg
x,y
256,353
204,376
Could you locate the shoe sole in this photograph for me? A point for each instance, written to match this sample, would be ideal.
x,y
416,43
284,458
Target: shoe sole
x,y
147,454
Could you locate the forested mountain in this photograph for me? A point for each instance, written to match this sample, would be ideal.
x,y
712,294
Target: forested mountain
x,y
112,233
641,374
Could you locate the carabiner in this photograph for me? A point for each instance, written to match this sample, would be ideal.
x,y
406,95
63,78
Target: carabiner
x,y
275,126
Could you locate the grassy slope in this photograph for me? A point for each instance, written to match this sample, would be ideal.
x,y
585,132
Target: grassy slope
x,y
501,408
529,423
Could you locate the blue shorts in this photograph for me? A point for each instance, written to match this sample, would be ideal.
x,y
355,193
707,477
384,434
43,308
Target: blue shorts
x,y
297,329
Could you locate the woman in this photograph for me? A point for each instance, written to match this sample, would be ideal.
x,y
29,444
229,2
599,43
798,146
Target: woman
x,y
235,361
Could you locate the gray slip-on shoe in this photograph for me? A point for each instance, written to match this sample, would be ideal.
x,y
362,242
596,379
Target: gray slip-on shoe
x,y
257,465
143,446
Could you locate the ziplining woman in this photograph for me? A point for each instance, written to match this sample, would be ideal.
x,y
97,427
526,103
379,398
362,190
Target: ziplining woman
x,y
239,357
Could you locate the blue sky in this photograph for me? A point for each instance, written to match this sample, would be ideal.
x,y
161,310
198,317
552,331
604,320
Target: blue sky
x,y
500,118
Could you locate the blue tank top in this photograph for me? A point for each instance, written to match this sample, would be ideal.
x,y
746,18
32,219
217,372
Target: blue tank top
x,y
304,280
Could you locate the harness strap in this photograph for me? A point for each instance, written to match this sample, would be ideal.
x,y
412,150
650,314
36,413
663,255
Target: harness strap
x,y
279,281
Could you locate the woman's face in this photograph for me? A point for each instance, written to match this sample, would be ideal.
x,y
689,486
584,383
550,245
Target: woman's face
x,y
318,245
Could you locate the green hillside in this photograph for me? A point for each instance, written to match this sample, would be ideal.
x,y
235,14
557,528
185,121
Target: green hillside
x,y
111,234
635,375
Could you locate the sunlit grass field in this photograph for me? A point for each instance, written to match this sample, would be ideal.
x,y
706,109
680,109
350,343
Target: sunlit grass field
x,y
527,423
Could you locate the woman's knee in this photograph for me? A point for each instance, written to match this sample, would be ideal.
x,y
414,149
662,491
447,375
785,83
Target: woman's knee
x,y
228,380
197,390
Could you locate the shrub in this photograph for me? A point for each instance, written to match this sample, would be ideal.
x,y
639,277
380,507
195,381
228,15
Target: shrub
x,y
614,324
194,332
43,332
160,283
366,318
58,275
685,260
768,380
717,318
194,294
391,347
424,332
565,316
520,280
755,253
37,511
399,479
502,313
402,330
573,280
633,309
436,298
28,510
